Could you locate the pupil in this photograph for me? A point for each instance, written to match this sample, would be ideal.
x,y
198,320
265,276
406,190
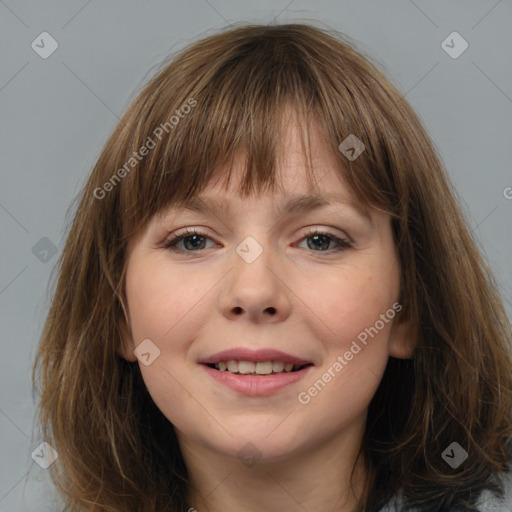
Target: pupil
x,y
321,246
197,239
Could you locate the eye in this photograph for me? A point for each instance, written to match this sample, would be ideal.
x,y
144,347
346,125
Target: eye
x,y
193,236
321,240
193,241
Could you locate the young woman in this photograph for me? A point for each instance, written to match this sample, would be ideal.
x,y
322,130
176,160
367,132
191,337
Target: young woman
x,y
270,300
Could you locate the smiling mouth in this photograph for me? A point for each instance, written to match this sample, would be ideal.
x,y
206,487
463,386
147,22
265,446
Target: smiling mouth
x,y
261,368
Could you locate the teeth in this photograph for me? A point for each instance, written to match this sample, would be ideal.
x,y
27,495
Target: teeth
x,y
259,368
246,367
264,368
232,366
277,366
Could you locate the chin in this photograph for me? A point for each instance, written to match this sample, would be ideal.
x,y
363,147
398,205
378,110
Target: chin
x,y
259,447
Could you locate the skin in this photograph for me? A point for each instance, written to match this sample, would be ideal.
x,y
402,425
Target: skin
x,y
196,303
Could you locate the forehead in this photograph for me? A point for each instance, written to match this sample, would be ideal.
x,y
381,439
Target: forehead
x,y
294,174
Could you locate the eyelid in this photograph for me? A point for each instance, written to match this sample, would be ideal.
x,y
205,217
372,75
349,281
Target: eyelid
x,y
184,233
326,231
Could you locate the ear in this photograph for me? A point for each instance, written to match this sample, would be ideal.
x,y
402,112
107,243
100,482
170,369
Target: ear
x,y
402,339
126,345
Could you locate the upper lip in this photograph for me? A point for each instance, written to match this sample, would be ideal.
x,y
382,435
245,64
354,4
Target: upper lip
x,y
246,354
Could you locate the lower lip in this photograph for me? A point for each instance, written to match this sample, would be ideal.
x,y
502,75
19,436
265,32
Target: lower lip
x,y
260,385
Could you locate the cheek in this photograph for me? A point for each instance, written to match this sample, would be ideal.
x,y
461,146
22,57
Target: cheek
x,y
163,304
335,399
355,341
346,302
160,297
355,353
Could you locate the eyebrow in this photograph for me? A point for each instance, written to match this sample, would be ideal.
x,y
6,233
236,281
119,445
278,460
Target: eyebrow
x,y
294,205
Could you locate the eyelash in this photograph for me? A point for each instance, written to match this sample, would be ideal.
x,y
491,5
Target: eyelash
x,y
172,243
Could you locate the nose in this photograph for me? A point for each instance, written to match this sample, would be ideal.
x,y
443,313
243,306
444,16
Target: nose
x,y
257,290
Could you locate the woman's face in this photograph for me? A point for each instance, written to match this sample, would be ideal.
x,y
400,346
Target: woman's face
x,y
255,281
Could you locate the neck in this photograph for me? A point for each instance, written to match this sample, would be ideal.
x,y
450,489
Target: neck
x,y
316,479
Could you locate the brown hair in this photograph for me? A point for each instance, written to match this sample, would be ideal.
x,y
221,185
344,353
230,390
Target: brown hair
x,y
117,451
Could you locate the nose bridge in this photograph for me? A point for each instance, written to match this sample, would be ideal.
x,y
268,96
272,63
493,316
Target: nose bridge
x,y
254,287
253,264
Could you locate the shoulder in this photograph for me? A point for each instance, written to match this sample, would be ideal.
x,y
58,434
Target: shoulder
x,y
487,502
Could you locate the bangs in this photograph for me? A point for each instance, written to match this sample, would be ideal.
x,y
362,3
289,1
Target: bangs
x,y
217,105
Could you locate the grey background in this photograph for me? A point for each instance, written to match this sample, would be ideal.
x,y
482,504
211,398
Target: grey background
x,y
57,113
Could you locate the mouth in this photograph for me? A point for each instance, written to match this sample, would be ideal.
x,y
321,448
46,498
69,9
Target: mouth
x,y
260,368
256,373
